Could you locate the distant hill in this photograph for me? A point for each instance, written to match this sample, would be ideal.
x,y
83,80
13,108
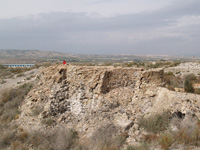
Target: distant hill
x,y
31,53
32,56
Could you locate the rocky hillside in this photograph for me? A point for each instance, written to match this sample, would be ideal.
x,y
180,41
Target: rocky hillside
x,y
185,69
30,54
85,98
33,56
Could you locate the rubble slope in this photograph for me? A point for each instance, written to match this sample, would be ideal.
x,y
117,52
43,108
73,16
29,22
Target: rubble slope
x,y
85,97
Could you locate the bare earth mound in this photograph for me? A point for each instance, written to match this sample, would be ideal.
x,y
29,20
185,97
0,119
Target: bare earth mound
x,y
84,98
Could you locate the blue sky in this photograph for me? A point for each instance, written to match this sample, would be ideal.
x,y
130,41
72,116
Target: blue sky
x,y
169,27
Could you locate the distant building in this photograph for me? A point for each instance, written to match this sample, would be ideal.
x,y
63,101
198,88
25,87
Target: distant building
x,y
19,65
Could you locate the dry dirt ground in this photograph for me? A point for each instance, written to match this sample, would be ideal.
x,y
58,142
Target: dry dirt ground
x,y
16,81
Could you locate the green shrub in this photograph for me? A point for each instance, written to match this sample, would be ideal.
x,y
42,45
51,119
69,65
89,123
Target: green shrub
x,y
155,123
191,77
169,73
173,64
130,64
188,86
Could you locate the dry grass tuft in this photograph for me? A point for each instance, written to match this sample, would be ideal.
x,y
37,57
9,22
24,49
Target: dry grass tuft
x,y
166,140
155,123
106,138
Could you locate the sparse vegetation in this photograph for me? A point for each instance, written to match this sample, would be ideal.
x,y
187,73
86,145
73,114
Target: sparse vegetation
x,y
55,139
48,121
172,81
162,64
166,139
155,123
102,138
10,101
2,81
188,86
187,133
150,138
37,110
106,138
191,77
143,146
6,72
185,83
20,75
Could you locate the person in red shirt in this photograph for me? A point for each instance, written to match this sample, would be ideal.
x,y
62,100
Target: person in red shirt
x,y
64,62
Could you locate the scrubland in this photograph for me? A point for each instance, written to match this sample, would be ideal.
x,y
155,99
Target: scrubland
x,y
164,130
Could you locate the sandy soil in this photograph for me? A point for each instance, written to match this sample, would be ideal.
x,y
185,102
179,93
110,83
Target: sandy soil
x,y
16,81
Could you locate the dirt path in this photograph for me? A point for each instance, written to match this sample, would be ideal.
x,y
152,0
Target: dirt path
x,y
16,81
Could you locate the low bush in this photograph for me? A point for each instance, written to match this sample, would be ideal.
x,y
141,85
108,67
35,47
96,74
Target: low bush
x,y
156,123
166,140
105,138
22,136
172,81
6,72
188,86
197,91
10,101
150,138
58,138
7,138
16,145
20,75
143,146
121,138
188,136
37,110
48,121
2,81
128,64
191,77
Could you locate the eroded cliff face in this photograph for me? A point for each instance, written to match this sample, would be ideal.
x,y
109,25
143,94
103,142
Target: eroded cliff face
x,y
87,97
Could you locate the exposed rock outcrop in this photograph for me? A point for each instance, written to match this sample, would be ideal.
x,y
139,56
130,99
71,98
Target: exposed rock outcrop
x,y
185,69
86,97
